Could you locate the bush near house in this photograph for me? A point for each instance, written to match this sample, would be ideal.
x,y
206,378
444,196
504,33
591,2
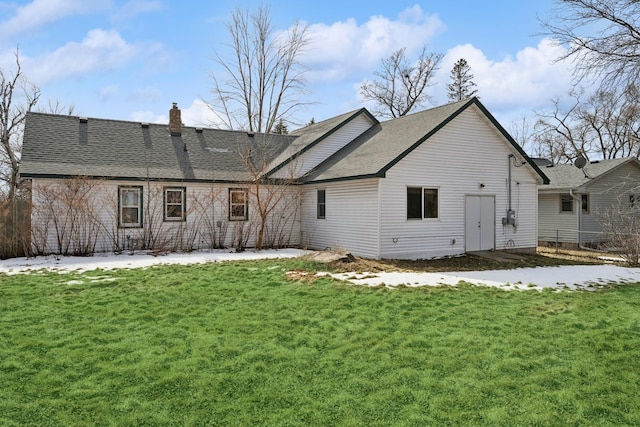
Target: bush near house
x,y
239,344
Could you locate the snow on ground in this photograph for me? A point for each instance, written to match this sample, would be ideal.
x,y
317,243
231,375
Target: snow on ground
x,y
106,261
587,277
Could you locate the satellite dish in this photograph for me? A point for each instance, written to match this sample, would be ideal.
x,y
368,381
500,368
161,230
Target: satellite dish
x,y
580,162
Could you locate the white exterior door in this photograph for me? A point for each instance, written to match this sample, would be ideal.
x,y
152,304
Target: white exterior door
x,y
480,223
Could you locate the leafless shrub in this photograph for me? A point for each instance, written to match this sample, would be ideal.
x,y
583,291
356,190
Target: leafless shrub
x,y
621,225
212,225
66,209
241,233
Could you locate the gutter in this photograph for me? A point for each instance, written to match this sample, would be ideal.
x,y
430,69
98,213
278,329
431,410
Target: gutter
x,y
579,218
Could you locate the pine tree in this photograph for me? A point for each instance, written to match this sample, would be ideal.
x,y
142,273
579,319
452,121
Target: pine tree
x,y
462,85
281,128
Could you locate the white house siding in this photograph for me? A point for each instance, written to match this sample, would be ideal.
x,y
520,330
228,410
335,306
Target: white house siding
x,y
604,192
325,148
351,220
207,216
554,225
608,192
466,153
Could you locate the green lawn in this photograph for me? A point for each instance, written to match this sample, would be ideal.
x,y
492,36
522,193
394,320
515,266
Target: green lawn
x,y
237,344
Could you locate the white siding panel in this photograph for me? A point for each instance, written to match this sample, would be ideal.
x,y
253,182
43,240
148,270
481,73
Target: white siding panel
x,y
351,221
466,153
207,224
604,193
611,191
555,225
325,148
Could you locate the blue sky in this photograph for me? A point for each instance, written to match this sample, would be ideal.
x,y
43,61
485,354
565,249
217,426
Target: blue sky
x,y
131,59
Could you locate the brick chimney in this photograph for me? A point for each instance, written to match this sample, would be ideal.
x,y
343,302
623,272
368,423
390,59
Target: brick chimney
x,y
175,120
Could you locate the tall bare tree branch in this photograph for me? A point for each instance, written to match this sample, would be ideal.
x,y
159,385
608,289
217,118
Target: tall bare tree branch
x,y
401,86
17,97
604,126
602,38
262,81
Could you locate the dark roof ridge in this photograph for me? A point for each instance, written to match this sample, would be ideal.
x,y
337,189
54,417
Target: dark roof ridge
x,y
432,109
155,124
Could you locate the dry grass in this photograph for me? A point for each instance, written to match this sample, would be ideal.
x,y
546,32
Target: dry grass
x,y
543,257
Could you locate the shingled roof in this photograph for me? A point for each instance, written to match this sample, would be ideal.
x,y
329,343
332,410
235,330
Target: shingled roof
x,y
568,177
384,144
66,146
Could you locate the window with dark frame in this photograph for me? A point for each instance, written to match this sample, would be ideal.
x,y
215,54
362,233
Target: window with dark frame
x,y
130,206
175,203
238,207
585,203
422,203
322,204
566,203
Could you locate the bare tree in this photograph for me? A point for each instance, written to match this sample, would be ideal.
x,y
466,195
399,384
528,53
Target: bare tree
x,y
261,83
462,85
522,131
274,199
57,107
17,97
605,126
621,226
401,86
602,38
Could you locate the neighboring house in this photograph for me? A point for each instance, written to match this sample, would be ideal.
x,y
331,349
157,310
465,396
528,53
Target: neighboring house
x,y
441,182
570,208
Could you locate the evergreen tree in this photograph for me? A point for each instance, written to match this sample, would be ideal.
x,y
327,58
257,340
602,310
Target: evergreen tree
x,y
281,128
462,85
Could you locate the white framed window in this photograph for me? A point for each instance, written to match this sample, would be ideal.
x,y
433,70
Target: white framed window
x,y
322,204
238,204
175,199
566,203
422,202
130,206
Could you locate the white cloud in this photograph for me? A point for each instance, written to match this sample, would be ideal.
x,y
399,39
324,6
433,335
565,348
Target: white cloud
x,y
346,47
148,117
529,79
40,12
100,50
197,114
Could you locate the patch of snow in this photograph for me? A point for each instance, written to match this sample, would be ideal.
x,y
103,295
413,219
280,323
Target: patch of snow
x,y
584,277
573,277
65,264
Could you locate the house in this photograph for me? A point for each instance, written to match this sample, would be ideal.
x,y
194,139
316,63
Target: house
x,y
571,206
440,182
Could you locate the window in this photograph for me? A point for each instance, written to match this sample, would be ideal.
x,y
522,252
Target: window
x,y
566,203
585,203
174,203
422,202
238,209
130,206
322,204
